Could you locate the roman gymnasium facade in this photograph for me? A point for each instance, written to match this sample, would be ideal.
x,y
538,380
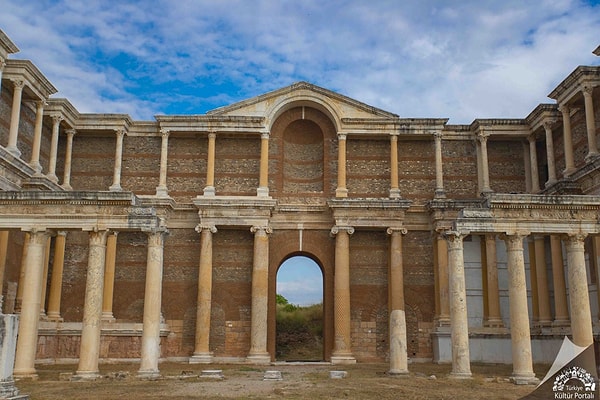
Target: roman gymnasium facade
x,y
161,240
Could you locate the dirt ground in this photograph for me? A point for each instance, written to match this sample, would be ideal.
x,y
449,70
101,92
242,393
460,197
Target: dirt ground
x,y
307,381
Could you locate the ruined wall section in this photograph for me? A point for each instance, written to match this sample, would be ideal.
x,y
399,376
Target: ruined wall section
x,y
367,167
92,162
506,166
460,168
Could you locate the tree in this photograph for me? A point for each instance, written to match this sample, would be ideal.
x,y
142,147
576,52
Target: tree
x,y
281,300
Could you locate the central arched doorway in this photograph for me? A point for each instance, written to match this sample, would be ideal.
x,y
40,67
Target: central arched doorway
x,y
299,315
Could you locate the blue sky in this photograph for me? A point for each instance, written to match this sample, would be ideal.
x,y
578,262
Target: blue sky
x,y
455,59
300,281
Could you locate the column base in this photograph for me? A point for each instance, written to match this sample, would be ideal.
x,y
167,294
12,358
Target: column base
x,y
37,167
52,177
67,187
201,358
493,323
524,380
54,317
398,373
210,191
439,194
148,375
108,317
262,192
341,192
343,359
591,157
8,390
14,151
394,193
569,171
85,376
460,375
262,358
115,188
161,191
442,322
26,374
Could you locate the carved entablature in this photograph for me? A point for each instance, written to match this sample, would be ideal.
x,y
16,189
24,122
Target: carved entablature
x,y
368,213
234,211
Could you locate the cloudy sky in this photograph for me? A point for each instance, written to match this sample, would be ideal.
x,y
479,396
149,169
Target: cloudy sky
x,y
425,58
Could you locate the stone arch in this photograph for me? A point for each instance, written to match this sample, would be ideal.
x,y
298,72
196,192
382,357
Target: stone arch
x,y
309,100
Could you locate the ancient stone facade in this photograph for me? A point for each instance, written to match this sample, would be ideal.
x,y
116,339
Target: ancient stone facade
x,y
161,239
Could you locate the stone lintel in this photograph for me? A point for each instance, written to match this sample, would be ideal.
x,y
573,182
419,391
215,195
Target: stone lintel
x,y
368,213
52,328
36,82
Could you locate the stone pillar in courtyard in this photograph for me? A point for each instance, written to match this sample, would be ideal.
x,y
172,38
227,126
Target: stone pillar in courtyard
x,y
89,349
459,324
150,352
57,277
109,277
202,353
561,310
15,116
68,158
493,317
341,190
520,333
398,345
116,185
260,287
263,180
342,350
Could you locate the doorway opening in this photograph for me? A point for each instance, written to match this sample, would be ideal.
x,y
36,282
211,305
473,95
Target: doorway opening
x,y
299,315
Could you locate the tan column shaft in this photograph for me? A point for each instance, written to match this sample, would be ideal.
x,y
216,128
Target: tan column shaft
x,y
527,165
109,277
89,350
161,189
439,170
459,324
342,351
398,345
535,176
444,291
550,153
116,185
21,284
568,140
561,310
263,181
260,279
535,312
545,316
150,352
30,309
209,190
3,251
45,276
34,162
494,317
579,301
519,317
485,174
15,115
56,118
202,353
68,158
590,122
394,184
57,277
341,190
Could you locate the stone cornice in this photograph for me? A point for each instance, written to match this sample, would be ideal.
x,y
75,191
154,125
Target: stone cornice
x,y
369,213
6,46
570,86
541,114
26,70
106,123
234,211
194,124
64,108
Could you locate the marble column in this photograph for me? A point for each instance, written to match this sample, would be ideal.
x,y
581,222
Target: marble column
x,y
56,119
260,287
439,170
590,122
493,317
89,350
202,353
394,184
45,277
545,316
150,352
263,180
209,189
398,344
116,185
109,277
34,162
520,334
30,307
441,270
161,189
21,284
535,176
15,116
568,140
58,263
561,310
533,280
342,351
550,153
579,301
68,158
482,137
341,190
3,254
459,324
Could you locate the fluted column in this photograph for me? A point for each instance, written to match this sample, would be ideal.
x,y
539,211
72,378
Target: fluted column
x,y
34,162
550,153
568,140
482,137
89,349
15,116
116,185
3,251
150,352
579,301
30,308
68,158
398,345
202,353
342,351
561,310
459,324
394,184
56,118
441,277
341,190
260,287
520,333
439,170
263,181
545,317
535,176
209,189
590,122
109,277
492,318
161,189
57,277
